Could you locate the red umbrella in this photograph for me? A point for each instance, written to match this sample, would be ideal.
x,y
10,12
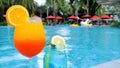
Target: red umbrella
x,y
86,16
50,17
105,17
72,17
95,17
59,18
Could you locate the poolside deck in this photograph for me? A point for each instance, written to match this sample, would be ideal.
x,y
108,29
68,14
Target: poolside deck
x,y
111,64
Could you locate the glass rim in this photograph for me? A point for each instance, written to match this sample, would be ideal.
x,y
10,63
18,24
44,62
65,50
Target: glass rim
x,y
35,19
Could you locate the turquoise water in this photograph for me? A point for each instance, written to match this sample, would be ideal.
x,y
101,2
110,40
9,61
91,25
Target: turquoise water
x,y
85,47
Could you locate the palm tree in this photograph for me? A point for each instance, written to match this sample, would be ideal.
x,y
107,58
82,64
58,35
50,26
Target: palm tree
x,y
63,6
100,11
50,7
31,5
1,3
72,4
2,6
91,6
1,10
59,6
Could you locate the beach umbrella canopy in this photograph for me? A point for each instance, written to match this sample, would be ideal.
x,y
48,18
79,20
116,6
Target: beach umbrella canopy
x,y
50,17
59,18
72,17
77,18
105,17
86,16
95,17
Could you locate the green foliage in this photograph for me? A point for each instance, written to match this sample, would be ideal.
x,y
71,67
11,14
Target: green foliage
x,y
1,3
60,5
115,24
63,6
44,23
93,7
100,11
49,3
29,4
3,23
82,3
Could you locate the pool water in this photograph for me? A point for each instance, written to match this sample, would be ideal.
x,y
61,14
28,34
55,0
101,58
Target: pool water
x,y
85,47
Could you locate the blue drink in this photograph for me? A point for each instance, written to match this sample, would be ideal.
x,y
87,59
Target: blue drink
x,y
54,59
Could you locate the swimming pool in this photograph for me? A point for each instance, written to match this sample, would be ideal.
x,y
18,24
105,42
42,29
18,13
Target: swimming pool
x,y
85,47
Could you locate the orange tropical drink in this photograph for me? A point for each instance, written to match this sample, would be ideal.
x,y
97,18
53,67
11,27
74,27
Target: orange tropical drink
x,y
29,39
29,35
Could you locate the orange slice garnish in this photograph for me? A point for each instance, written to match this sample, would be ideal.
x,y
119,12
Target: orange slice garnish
x,y
17,15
